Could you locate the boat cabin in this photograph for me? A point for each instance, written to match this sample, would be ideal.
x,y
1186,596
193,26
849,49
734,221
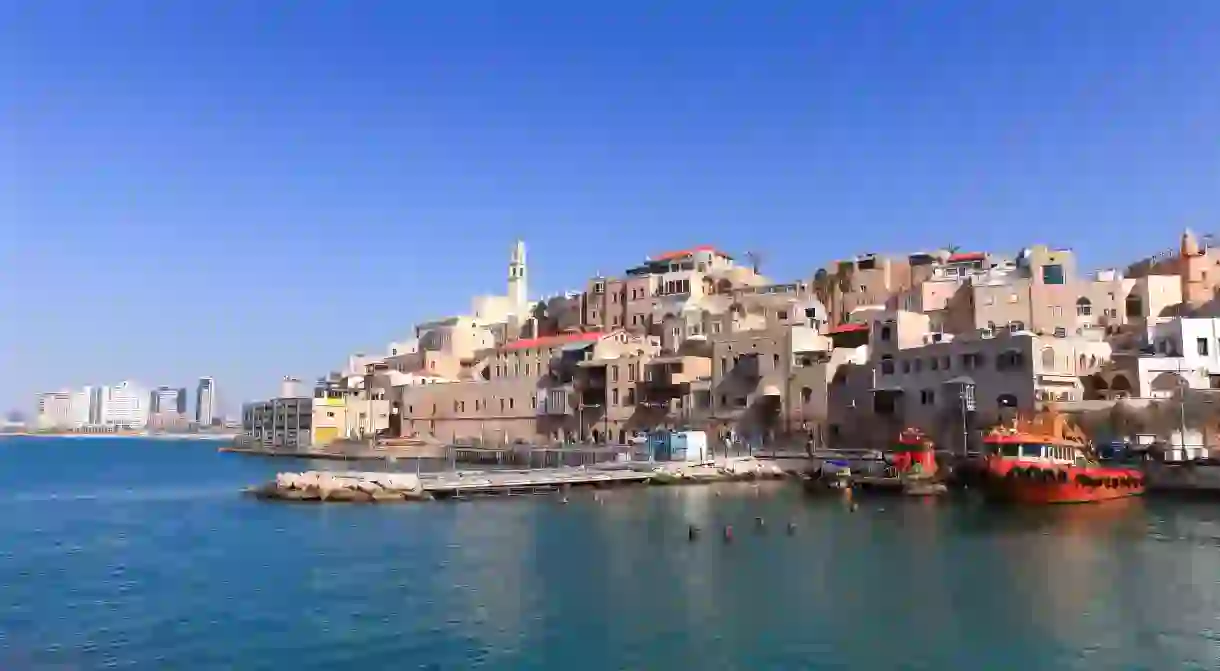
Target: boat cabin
x,y
914,452
1035,449
1046,439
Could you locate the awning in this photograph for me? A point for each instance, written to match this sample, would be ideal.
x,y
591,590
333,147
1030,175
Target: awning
x,y
771,390
961,379
887,388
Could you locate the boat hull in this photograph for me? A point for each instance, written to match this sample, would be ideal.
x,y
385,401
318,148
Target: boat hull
x,y
1031,484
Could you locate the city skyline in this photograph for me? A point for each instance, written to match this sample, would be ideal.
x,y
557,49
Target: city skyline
x,y
807,134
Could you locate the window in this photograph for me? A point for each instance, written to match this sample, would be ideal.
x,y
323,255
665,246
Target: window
x,y
1016,326
724,364
1201,346
934,363
806,394
946,362
906,366
886,333
631,372
630,396
1056,310
613,397
927,397
782,315
1052,274
510,404
1060,332
775,361
1135,307
614,373
501,405
724,400
972,360
534,402
1084,307
887,365
1048,358
1031,451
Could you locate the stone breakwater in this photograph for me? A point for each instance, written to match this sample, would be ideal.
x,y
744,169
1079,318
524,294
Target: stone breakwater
x,y
351,487
399,487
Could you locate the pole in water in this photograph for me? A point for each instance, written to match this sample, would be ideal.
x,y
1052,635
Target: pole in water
x,y
760,523
692,532
855,507
728,533
792,528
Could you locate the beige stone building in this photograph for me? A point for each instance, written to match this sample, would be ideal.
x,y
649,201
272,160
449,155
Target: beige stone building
x,y
918,377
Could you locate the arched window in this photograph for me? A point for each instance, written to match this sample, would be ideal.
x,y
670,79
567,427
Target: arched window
x,y
1048,358
1084,307
806,394
886,333
1135,307
887,365
1006,401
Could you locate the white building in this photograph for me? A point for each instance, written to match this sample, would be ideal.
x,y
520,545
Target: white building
x,y
68,409
125,405
205,401
55,410
1178,352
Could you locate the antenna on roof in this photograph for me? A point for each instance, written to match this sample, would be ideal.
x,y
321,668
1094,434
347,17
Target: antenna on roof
x,y
755,260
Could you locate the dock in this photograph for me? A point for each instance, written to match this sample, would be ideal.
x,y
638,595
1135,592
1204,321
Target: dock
x,y
533,481
365,486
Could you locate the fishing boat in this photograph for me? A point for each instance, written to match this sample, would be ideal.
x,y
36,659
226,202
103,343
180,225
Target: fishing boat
x,y
1045,459
911,468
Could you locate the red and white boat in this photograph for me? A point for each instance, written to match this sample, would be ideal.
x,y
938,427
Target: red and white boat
x,y
1047,460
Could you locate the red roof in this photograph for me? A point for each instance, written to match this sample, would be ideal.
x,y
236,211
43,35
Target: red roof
x,y
687,252
848,328
967,256
552,341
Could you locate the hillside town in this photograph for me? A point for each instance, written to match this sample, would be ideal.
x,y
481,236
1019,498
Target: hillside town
x,y
697,339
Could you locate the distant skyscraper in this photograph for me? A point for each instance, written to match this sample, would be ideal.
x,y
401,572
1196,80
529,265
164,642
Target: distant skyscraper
x,y
125,405
165,400
205,401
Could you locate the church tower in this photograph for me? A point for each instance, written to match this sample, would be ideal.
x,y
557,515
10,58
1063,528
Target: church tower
x,y
518,289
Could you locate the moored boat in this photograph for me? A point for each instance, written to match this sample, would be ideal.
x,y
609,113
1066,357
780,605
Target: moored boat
x,y
1047,460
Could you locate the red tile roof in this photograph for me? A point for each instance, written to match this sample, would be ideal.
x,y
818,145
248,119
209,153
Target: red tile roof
x,y
967,256
848,328
552,341
667,256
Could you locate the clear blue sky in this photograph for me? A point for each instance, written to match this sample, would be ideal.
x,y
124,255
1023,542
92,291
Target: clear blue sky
x,y
248,189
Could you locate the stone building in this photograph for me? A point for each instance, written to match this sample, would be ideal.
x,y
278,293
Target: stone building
x,y
918,377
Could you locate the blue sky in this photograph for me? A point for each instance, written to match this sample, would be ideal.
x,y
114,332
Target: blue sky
x,y
252,189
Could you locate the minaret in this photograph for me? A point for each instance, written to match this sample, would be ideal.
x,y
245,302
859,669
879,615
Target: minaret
x,y
518,290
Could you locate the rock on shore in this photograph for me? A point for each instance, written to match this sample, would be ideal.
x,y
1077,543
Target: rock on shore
x,y
739,468
323,486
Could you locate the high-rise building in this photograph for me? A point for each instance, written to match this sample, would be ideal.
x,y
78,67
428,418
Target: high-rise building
x,y
205,401
125,405
55,410
167,400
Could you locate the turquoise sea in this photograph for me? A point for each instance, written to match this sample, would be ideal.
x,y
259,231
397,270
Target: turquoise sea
x,y
139,554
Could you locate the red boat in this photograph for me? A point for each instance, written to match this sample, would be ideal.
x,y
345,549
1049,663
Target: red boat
x,y
1047,460
913,454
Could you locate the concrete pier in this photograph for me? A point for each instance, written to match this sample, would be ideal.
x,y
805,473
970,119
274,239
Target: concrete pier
x,y
388,487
